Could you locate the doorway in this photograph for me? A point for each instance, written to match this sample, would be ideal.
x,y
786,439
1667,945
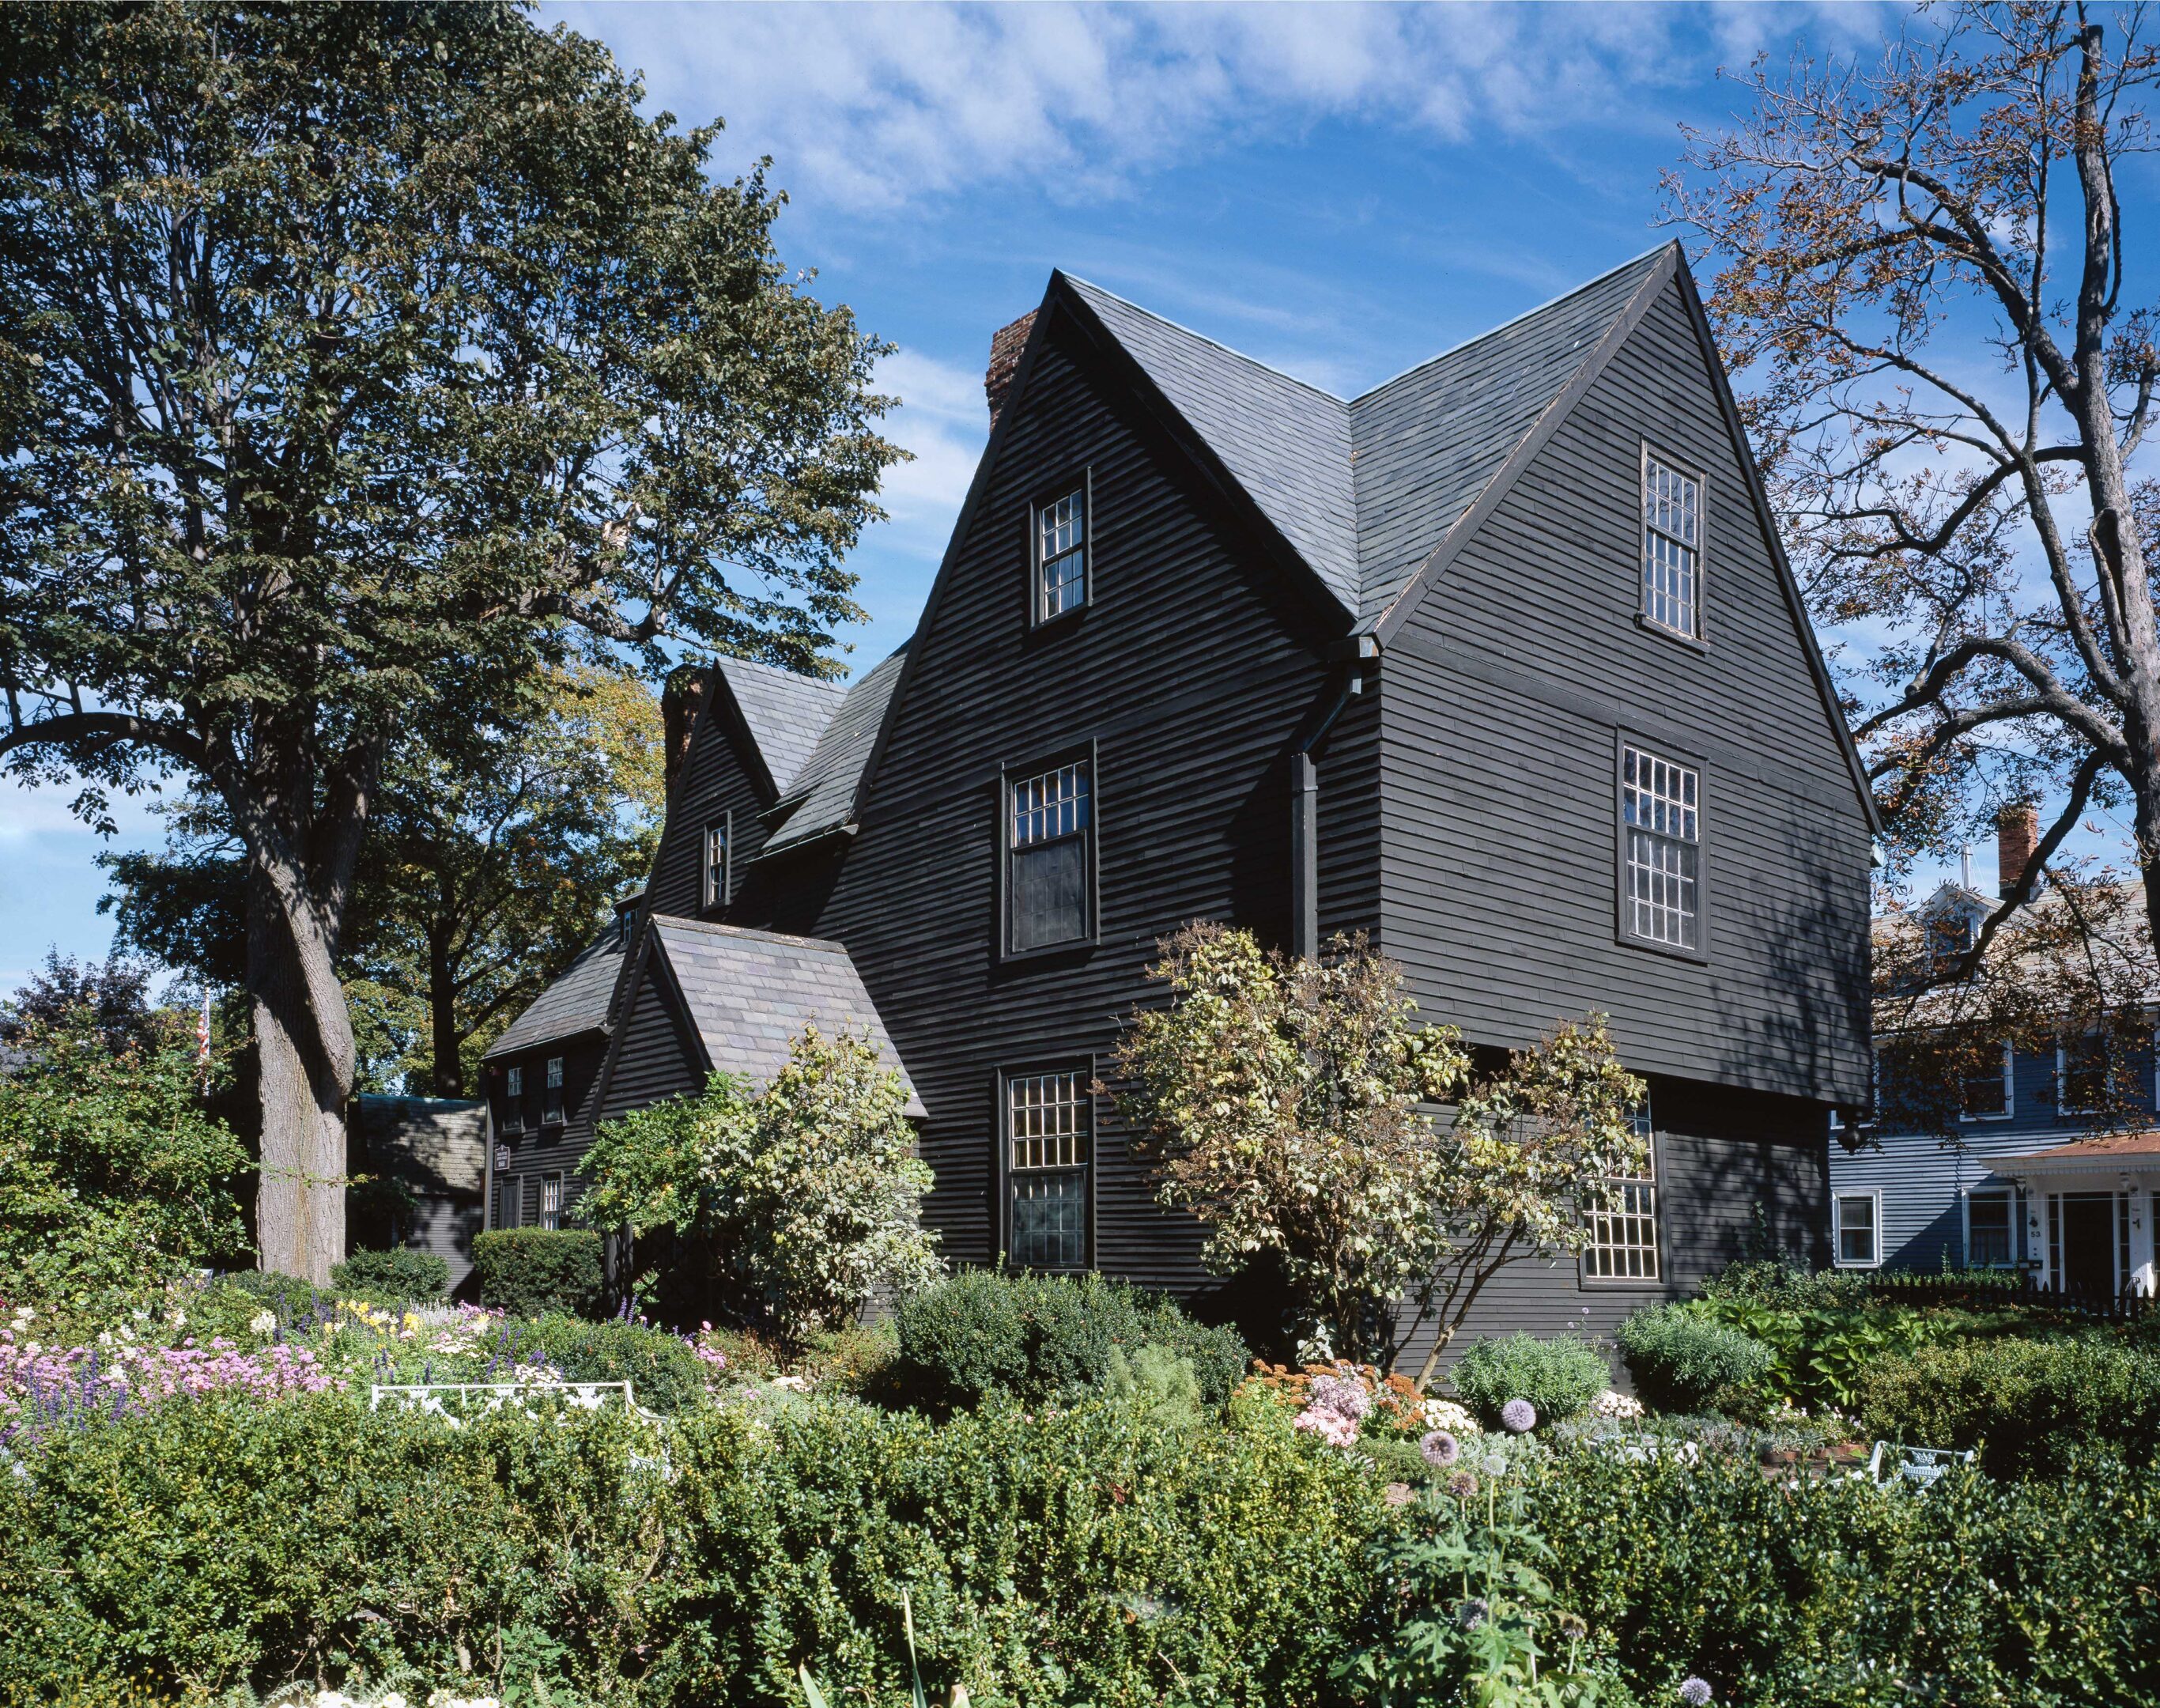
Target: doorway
x,y
2086,1253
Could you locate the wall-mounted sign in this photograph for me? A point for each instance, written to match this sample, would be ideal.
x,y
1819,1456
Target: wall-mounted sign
x,y
501,1157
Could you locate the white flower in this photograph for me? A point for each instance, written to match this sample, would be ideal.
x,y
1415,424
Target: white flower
x,y
1446,1415
179,1319
1613,1404
142,1315
104,1337
23,1313
392,1701
33,1349
263,1322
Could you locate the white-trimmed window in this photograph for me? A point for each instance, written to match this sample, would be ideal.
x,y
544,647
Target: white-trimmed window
x,y
1050,834
2085,1074
551,1096
1989,1094
1661,852
513,1100
714,875
1061,554
1672,547
1990,1225
1049,1121
1623,1225
550,1201
1857,1229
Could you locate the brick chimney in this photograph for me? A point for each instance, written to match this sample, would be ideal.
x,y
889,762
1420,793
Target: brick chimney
x,y
2017,834
1005,347
680,703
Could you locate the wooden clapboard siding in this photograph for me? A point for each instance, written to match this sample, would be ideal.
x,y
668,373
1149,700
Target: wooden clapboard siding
x,y
1503,698
1189,672
717,780
547,1150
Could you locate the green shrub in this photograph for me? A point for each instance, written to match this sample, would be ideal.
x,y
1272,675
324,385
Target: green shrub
x,y
533,1271
1044,1337
1560,1376
1084,1557
2030,1404
1681,1359
293,1300
1830,1593
664,1374
400,1274
1156,1383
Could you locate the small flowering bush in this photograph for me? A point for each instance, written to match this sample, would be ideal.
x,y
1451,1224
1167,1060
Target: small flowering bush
x,y
1392,1405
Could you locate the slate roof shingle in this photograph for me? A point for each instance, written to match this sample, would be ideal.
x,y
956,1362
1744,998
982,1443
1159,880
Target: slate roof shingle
x,y
749,992
576,1002
786,712
824,795
1365,489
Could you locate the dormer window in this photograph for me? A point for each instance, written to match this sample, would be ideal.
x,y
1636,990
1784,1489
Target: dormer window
x,y
1672,547
1059,535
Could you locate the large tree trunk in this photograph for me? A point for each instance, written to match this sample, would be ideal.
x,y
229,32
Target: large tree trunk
x,y
300,1205
449,1074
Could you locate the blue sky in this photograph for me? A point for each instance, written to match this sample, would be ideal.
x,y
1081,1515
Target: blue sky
x,y
1341,191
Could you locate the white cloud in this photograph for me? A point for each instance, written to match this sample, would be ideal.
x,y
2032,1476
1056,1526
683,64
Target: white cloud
x,y
876,106
943,419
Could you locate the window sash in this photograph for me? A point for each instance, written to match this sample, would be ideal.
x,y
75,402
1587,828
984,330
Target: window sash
x,y
1661,815
1986,1095
2085,1075
1047,1116
715,868
1061,555
1623,1228
550,1201
1049,1147
1990,1222
1858,1235
1672,537
1049,840
551,1098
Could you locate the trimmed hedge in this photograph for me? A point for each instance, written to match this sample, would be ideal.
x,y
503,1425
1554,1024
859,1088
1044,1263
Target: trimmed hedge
x,y
537,1271
1833,1594
1682,1360
1090,1556
1047,1337
401,1274
2029,1405
1560,1376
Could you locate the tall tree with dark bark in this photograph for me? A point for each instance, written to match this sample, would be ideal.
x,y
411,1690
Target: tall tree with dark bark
x,y
357,363
1947,366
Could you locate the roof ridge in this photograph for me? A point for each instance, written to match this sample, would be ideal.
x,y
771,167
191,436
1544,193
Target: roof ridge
x,y
712,927
1513,320
1227,349
725,660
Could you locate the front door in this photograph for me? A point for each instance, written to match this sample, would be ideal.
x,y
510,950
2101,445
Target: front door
x,y
2089,1243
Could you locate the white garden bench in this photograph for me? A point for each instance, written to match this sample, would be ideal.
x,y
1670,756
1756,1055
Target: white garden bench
x,y
454,1401
1920,1467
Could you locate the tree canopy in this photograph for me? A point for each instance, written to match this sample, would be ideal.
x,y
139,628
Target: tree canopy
x,y
356,365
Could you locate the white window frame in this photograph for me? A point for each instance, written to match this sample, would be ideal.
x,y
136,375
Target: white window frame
x,y
1625,1261
1020,831
716,876
2008,1194
1683,800
2009,1109
1662,526
1064,1148
551,1199
2063,1078
1838,1201
1045,519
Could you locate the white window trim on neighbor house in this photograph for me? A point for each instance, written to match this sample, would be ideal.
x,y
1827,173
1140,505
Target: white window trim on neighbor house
x,y
1837,1202
2009,1091
2063,1080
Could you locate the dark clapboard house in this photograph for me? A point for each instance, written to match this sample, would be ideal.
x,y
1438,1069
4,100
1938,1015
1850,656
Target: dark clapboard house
x,y
1500,662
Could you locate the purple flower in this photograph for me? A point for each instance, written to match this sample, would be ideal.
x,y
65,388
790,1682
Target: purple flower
x,y
1519,1415
1694,1692
1441,1450
1473,1613
1463,1485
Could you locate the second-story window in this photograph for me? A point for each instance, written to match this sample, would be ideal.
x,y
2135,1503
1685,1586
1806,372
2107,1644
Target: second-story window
x,y
1987,1093
513,1101
551,1098
1672,547
2085,1074
1049,838
1661,900
713,883
1061,554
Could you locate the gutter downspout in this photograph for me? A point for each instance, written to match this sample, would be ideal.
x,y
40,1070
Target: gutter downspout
x,y
1305,815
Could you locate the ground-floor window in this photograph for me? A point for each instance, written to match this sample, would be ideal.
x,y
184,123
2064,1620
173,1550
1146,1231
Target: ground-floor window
x,y
1857,1230
1623,1225
1049,1122
1989,1224
550,1201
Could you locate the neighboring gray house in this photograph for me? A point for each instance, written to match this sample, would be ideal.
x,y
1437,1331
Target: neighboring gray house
x,y
434,1149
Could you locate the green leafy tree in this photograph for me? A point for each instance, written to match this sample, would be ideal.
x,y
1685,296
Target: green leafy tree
x,y
111,1172
1285,1103
357,364
781,1210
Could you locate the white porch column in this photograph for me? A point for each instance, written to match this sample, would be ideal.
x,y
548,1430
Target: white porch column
x,y
2141,1234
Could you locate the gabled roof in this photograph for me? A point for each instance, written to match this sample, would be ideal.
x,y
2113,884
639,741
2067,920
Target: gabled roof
x,y
822,799
575,1004
748,994
785,713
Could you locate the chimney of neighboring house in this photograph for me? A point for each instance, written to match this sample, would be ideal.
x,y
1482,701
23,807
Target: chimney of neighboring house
x,y
680,702
2017,834
1005,347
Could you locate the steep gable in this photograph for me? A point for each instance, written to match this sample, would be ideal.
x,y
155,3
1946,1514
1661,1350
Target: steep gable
x,y
822,798
784,712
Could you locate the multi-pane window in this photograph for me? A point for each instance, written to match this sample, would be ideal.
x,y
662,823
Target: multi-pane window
x,y
1061,555
713,885
1049,854
1858,1235
1664,859
551,1098
1623,1226
550,1201
1986,1093
513,1101
2083,1074
1049,1133
1672,548
1987,1230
